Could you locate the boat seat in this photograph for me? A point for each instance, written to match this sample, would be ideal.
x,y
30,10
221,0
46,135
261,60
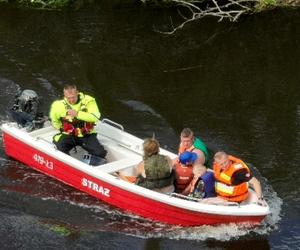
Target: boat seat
x,y
115,166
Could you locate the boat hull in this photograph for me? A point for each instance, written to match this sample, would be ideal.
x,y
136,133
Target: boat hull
x,y
112,194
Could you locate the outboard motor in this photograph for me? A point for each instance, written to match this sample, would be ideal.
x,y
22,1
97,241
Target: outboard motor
x,y
25,110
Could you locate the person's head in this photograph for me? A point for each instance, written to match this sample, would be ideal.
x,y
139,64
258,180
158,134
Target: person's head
x,y
150,147
187,158
222,159
187,137
71,93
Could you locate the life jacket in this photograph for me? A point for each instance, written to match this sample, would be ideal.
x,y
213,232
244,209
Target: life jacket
x,y
184,175
73,126
76,127
224,186
158,173
207,186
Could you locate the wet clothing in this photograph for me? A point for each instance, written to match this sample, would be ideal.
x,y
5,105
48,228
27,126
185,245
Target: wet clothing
x,y
158,173
78,130
232,183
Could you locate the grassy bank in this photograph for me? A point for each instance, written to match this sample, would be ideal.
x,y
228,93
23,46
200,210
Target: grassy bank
x,y
77,4
48,4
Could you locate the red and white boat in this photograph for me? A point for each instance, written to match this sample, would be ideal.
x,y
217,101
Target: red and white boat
x,y
36,150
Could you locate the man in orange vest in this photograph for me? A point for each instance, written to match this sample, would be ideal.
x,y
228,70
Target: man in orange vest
x,y
232,178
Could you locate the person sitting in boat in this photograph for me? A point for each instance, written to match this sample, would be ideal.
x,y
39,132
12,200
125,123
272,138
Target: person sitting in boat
x,y
184,171
232,178
155,171
75,116
188,142
203,184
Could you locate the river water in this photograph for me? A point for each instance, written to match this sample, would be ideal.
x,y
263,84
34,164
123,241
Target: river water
x,y
235,84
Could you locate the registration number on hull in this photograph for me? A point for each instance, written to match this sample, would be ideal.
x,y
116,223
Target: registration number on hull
x,y
42,161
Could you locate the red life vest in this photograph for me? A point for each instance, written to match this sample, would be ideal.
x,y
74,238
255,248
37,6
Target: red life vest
x,y
184,173
77,127
74,126
224,186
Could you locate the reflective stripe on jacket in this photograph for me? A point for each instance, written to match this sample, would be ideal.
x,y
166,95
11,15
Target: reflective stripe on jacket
x,y
87,115
224,186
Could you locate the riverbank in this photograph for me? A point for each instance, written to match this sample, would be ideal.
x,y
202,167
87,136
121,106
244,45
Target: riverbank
x,y
77,4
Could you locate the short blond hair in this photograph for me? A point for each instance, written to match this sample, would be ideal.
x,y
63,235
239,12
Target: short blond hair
x,y
220,155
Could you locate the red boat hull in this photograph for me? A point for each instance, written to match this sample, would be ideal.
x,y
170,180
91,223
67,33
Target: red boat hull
x,y
128,201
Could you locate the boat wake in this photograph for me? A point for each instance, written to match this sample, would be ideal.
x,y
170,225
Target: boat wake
x,y
81,211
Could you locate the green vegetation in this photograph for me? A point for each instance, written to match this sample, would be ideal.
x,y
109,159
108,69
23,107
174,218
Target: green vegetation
x,y
266,4
61,230
49,4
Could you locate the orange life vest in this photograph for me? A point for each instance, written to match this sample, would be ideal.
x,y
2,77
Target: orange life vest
x,y
224,186
183,149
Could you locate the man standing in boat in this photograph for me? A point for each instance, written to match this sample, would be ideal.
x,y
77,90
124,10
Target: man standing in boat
x,y
75,116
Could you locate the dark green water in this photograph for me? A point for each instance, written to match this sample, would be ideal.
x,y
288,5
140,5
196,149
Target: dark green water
x,y
235,84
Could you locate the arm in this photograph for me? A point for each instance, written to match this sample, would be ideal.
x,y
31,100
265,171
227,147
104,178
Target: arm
x,y
140,169
256,186
56,113
91,114
171,163
198,170
201,156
